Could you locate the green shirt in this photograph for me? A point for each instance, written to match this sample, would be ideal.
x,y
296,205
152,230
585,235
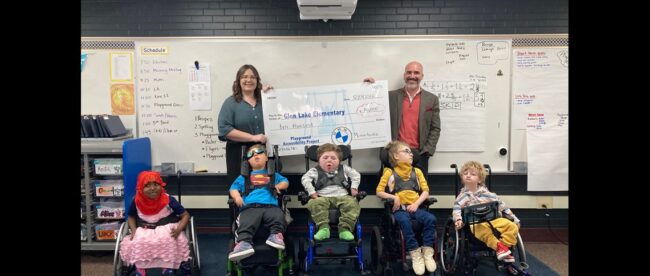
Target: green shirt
x,y
241,116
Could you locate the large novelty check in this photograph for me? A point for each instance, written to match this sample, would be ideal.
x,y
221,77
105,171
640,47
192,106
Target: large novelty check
x,y
353,114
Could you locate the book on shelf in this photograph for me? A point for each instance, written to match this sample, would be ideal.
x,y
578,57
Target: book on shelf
x,y
129,134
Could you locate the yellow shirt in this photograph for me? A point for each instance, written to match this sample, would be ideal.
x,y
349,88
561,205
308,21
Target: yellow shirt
x,y
406,197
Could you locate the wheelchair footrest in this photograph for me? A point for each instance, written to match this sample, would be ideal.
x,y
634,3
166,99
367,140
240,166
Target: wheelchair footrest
x,y
335,256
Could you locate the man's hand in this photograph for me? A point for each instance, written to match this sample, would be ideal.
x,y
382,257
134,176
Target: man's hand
x,y
354,192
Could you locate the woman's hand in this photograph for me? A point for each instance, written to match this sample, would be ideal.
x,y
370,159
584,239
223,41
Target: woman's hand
x,y
261,138
369,79
266,88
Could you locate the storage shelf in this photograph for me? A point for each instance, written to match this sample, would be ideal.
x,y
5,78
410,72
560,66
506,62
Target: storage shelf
x,y
98,245
91,150
136,157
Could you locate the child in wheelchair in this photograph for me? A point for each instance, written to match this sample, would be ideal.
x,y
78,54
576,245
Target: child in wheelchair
x,y
259,206
156,221
475,192
403,182
327,185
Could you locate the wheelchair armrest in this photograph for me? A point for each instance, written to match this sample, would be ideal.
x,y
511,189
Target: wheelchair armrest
x,y
509,217
430,201
286,198
361,195
388,202
303,197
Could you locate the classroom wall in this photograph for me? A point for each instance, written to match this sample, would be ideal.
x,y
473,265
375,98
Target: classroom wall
x,y
281,18
167,18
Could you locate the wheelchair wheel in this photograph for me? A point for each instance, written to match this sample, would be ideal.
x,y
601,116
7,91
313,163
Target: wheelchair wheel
x,y
302,257
376,251
118,265
451,248
520,253
194,248
230,267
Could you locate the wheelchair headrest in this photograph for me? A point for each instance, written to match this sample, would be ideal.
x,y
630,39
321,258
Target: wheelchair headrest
x,y
383,156
272,165
312,152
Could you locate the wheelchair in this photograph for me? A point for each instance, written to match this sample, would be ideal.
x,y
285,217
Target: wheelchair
x,y
461,251
312,252
265,257
122,269
387,244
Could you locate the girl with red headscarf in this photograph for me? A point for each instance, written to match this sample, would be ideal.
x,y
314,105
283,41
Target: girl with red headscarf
x,y
156,221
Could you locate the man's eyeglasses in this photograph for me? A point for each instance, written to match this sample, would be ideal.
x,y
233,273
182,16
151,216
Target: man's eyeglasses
x,y
407,151
251,153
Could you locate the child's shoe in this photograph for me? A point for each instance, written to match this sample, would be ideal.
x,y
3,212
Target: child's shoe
x,y
186,268
418,261
429,262
140,272
346,235
242,250
168,272
276,241
323,233
503,253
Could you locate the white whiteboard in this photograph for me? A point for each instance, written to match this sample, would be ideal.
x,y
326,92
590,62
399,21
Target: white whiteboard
x,y
190,136
96,85
540,93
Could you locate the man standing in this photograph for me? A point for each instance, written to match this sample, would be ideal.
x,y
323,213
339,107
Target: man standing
x,y
415,114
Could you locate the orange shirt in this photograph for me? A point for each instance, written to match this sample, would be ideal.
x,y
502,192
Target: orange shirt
x,y
408,127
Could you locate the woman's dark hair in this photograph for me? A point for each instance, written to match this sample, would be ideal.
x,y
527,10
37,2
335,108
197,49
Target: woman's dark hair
x,y
236,87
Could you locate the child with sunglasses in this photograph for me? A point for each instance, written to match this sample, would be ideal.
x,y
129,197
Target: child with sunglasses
x,y
408,188
258,206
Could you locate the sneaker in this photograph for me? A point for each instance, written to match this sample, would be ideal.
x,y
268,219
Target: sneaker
x,y
242,250
503,252
276,241
418,261
186,268
429,262
168,272
323,233
140,272
509,259
346,236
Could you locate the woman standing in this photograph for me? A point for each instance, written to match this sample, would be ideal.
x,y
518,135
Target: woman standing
x,y
240,119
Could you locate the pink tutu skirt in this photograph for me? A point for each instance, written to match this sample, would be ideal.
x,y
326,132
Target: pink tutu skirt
x,y
155,248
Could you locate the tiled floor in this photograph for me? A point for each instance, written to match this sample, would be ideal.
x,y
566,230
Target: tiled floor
x,y
552,254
